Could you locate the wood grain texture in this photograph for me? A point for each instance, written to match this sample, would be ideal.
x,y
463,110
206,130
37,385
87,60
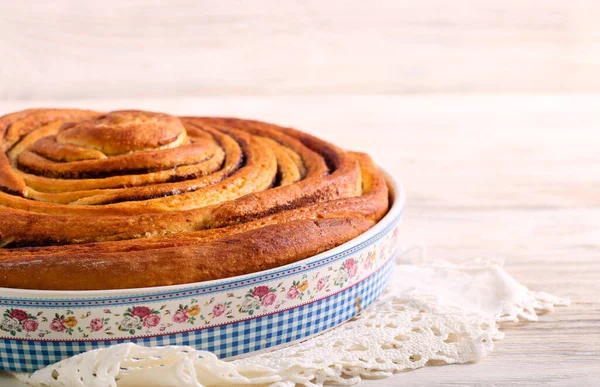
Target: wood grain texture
x,y
511,177
115,48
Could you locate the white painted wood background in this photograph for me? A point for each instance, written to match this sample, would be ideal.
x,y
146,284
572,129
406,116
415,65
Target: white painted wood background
x,y
128,48
515,177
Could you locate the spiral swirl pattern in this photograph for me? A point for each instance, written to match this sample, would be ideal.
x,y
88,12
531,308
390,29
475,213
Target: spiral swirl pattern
x,y
127,199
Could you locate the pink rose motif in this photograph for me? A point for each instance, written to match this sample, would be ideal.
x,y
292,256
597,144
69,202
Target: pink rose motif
x,y
218,310
141,311
151,321
367,262
180,316
261,291
96,324
18,314
349,263
321,283
57,325
269,299
30,325
352,271
293,292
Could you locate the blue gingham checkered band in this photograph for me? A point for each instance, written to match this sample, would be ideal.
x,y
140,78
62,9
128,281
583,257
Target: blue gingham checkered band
x,y
229,317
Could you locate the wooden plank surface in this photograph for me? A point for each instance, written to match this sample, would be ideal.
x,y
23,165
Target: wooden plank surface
x,y
116,48
511,177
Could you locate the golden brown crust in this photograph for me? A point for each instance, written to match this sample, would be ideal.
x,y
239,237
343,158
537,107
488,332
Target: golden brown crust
x,y
132,199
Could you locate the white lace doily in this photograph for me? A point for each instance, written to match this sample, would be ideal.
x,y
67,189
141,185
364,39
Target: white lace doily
x,y
434,313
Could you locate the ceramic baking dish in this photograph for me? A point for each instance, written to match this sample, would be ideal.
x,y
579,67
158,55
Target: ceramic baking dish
x,y
229,317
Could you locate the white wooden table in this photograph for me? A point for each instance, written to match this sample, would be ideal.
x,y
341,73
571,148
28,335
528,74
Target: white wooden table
x,y
512,177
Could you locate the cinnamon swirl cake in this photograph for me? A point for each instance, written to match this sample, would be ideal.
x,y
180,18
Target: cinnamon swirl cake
x,y
127,199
